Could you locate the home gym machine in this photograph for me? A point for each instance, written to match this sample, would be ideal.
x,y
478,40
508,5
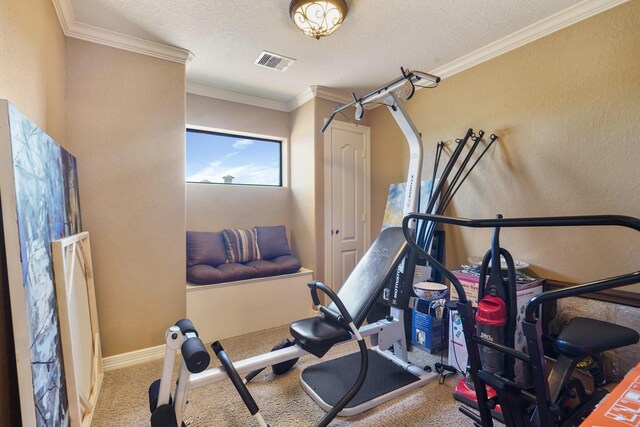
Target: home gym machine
x,y
376,374
547,402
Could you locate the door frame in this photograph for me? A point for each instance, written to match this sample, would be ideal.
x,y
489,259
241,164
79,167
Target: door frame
x,y
328,201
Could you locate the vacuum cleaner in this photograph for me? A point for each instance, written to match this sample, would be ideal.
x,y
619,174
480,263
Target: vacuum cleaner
x,y
496,317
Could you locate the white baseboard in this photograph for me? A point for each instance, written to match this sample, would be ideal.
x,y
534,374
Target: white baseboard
x,y
132,358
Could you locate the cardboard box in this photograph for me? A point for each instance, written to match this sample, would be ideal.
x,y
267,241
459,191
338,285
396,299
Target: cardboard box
x,y
621,407
426,329
457,348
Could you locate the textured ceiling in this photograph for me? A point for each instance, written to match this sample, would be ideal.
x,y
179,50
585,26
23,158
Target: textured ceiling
x,y
377,37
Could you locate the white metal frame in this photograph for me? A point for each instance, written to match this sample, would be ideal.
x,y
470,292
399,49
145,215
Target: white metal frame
x,y
388,94
383,333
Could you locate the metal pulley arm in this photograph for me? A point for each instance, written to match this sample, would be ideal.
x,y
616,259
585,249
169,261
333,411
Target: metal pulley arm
x,y
382,92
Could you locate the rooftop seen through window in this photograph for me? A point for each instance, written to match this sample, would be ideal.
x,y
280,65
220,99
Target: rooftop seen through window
x,y
221,158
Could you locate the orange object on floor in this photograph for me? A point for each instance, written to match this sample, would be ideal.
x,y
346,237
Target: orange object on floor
x,y
621,407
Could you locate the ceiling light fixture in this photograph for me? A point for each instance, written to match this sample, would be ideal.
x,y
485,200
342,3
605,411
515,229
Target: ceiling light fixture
x,y
318,18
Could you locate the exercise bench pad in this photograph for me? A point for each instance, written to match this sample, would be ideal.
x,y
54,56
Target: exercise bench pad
x,y
369,277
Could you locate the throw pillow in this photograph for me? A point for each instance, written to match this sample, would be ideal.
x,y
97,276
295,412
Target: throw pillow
x,y
272,241
205,248
241,245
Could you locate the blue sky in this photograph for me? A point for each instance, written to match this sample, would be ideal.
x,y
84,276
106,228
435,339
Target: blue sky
x,y
249,161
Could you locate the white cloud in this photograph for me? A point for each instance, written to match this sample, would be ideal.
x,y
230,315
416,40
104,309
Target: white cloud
x,y
242,144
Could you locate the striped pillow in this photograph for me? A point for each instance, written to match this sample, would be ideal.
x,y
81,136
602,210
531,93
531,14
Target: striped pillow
x,y
241,245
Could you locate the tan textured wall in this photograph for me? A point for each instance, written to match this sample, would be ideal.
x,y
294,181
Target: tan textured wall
x,y
32,63
125,124
303,199
32,50
566,108
217,113
388,162
215,207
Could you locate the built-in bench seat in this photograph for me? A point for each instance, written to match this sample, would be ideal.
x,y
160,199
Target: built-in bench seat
x,y
233,254
228,309
240,281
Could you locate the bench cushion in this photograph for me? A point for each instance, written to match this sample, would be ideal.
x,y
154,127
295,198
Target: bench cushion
x,y
265,268
205,248
203,274
288,263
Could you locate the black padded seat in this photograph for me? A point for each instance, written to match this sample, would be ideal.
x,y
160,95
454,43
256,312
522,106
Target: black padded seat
x,y
317,335
584,337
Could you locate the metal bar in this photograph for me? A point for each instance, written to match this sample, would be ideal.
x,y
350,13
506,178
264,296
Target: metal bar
x,y
476,141
446,202
557,221
383,91
502,348
533,334
574,291
408,234
262,361
445,174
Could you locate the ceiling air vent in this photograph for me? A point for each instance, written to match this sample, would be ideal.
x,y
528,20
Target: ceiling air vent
x,y
273,61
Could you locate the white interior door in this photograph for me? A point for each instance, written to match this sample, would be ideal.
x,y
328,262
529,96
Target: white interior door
x,y
347,199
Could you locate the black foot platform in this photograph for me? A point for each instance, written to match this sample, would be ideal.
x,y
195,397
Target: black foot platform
x,y
327,382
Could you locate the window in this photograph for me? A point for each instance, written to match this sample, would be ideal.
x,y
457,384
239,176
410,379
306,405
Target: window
x,y
221,158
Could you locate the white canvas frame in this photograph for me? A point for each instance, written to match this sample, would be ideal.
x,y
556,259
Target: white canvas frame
x,y
79,330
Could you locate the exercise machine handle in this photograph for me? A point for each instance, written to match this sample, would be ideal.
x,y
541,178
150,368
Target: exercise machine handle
x,y
237,382
344,317
558,221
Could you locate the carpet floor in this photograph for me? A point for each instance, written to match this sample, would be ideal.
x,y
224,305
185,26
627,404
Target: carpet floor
x,y
123,399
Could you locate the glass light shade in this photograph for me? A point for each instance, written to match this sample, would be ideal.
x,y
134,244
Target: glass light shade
x,y
318,18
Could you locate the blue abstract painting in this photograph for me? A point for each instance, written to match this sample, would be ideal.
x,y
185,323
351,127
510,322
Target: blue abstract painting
x,y
48,208
395,200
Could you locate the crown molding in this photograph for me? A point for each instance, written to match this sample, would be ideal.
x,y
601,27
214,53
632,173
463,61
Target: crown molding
x,y
233,96
259,101
319,92
301,99
82,31
542,28
331,94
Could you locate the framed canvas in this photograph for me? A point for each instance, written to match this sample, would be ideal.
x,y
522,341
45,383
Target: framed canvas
x,y
78,325
39,203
